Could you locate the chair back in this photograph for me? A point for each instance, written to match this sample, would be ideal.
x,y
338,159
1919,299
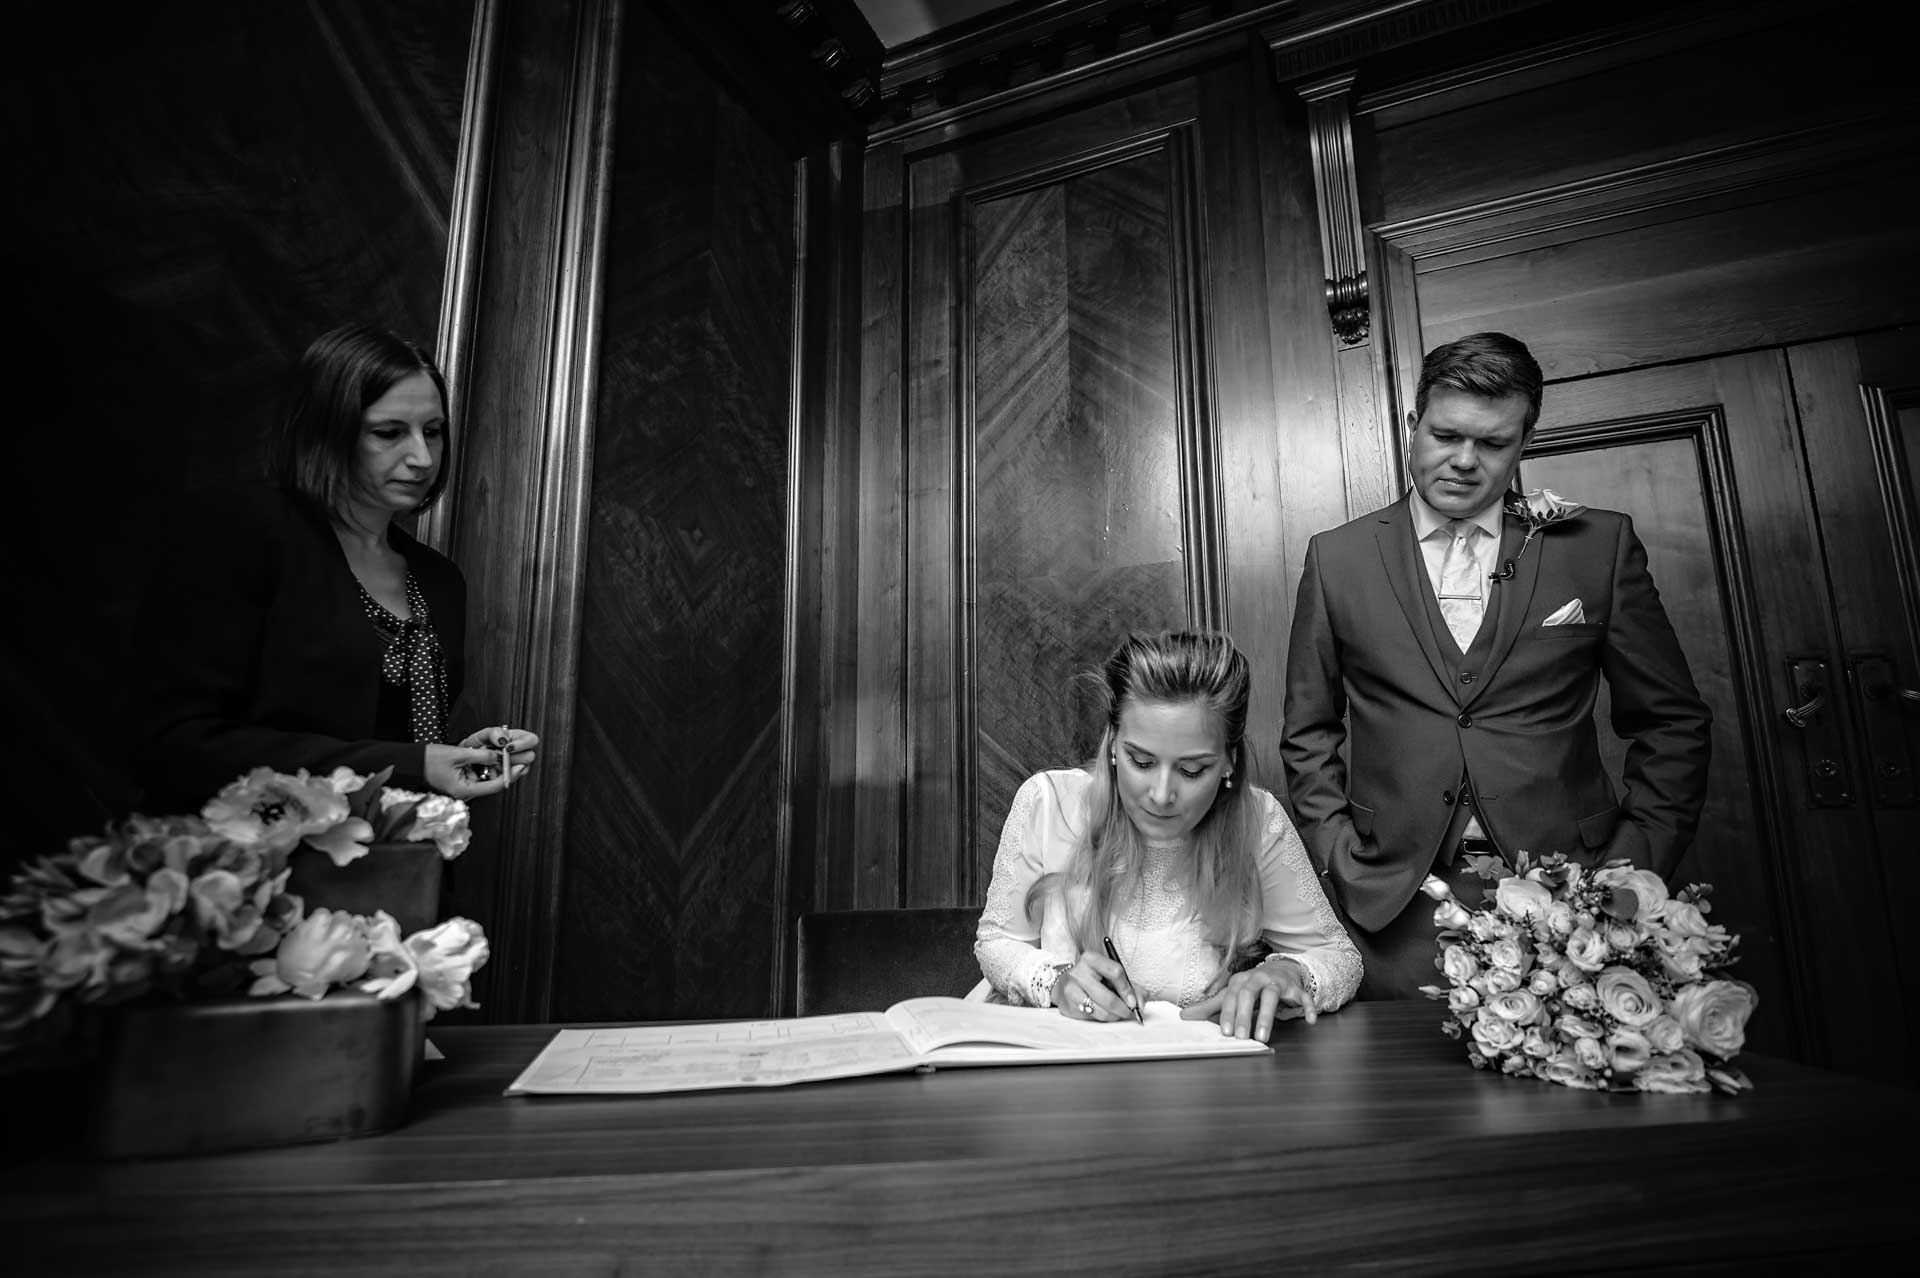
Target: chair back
x,y
868,960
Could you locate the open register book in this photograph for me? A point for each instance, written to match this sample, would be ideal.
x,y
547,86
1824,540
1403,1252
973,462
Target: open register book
x,y
914,1034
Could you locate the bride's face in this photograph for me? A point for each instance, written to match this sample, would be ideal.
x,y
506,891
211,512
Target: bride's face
x,y
1169,759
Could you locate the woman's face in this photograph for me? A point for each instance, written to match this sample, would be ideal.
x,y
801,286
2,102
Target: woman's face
x,y
402,437
1169,761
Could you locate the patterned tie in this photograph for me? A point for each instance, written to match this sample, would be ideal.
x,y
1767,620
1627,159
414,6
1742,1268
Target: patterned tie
x,y
1461,602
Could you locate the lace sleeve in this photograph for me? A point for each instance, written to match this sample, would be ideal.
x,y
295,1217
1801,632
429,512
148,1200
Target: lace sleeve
x,y
1008,943
1300,922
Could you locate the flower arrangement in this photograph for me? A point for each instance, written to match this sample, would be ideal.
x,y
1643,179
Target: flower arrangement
x,y
1596,979
196,906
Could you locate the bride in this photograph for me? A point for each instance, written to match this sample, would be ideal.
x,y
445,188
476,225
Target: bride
x,y
1161,846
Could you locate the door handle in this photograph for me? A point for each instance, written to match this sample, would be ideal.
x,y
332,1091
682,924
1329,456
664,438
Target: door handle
x,y
1829,782
1885,709
1801,716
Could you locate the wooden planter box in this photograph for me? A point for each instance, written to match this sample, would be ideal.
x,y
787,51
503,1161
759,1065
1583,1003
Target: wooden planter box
x,y
235,1073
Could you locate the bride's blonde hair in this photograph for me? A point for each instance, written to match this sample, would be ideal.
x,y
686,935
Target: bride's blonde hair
x,y
1220,876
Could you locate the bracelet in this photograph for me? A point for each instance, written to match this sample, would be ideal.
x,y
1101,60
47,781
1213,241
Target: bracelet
x,y
1045,979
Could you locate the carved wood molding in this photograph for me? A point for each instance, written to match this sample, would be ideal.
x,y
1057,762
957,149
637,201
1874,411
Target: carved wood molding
x,y
1308,39
1645,34
1742,173
1336,191
460,284
521,526
1884,407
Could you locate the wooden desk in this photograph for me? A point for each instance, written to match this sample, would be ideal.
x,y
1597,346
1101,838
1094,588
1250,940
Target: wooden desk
x,y
1363,1142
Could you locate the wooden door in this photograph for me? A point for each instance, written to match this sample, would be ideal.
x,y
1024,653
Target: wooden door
x,y
1711,460
1859,405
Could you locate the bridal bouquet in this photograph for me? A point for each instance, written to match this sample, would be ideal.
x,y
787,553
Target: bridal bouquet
x,y
1597,979
196,906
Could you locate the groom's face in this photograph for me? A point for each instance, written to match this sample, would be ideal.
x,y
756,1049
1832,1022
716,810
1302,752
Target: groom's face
x,y
1464,448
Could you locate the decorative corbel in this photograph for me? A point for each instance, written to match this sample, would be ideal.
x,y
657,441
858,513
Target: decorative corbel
x,y
1336,190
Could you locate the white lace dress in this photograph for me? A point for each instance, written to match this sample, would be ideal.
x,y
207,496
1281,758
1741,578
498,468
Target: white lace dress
x,y
1167,955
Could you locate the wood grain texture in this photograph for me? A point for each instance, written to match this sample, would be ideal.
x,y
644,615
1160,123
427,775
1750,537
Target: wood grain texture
x,y
1722,92
1078,493
861,868
190,199
668,905
1360,1123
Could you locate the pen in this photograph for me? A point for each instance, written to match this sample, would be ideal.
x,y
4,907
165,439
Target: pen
x,y
1115,956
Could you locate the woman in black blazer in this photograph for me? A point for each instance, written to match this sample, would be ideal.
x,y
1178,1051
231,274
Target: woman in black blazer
x,y
295,626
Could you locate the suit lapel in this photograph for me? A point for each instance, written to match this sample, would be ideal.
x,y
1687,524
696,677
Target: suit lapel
x,y
1512,597
1408,577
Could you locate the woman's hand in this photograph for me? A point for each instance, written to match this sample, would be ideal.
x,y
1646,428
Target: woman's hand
x,y
469,772
1090,990
1251,999
510,752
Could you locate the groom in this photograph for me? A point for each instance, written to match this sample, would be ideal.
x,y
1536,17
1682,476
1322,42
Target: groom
x,y
1457,659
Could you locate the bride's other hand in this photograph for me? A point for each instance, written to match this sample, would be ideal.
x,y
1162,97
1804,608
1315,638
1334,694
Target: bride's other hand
x,y
1250,1000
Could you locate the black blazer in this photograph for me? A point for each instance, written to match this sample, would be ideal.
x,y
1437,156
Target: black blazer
x,y
256,652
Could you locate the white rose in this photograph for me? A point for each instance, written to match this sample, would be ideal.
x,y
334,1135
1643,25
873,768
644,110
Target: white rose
x,y
1565,1068
1508,955
1450,914
1627,1050
1664,1033
1681,1071
1560,918
1713,1016
1500,981
1543,982
1496,1036
1482,927
1649,889
1590,1053
1522,1007
1582,997
1459,964
1621,938
1521,898
1436,887
1588,950
1627,996
1683,918
1462,998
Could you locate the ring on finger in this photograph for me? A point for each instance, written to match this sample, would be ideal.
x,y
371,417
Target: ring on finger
x,y
1086,1006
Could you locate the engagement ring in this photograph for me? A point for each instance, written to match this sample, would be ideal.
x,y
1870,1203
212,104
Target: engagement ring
x,y
1086,1007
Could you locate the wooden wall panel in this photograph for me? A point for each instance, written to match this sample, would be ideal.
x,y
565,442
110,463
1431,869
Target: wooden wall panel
x,y
669,898
1076,493
1519,128
1071,429
191,197
1804,265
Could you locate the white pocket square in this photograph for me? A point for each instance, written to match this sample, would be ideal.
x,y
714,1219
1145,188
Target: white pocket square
x,y
1569,614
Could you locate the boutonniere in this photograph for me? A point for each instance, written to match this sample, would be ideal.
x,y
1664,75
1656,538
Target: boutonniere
x,y
1537,509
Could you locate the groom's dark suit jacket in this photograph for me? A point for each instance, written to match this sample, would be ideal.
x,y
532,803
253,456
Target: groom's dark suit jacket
x,y
1509,723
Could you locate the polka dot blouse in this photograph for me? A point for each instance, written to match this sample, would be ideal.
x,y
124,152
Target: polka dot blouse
x,y
413,661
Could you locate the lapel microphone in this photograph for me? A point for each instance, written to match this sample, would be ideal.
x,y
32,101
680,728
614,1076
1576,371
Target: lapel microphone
x,y
1505,573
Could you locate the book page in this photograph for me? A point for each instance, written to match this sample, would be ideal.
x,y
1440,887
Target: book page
x,y
678,1058
951,1031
